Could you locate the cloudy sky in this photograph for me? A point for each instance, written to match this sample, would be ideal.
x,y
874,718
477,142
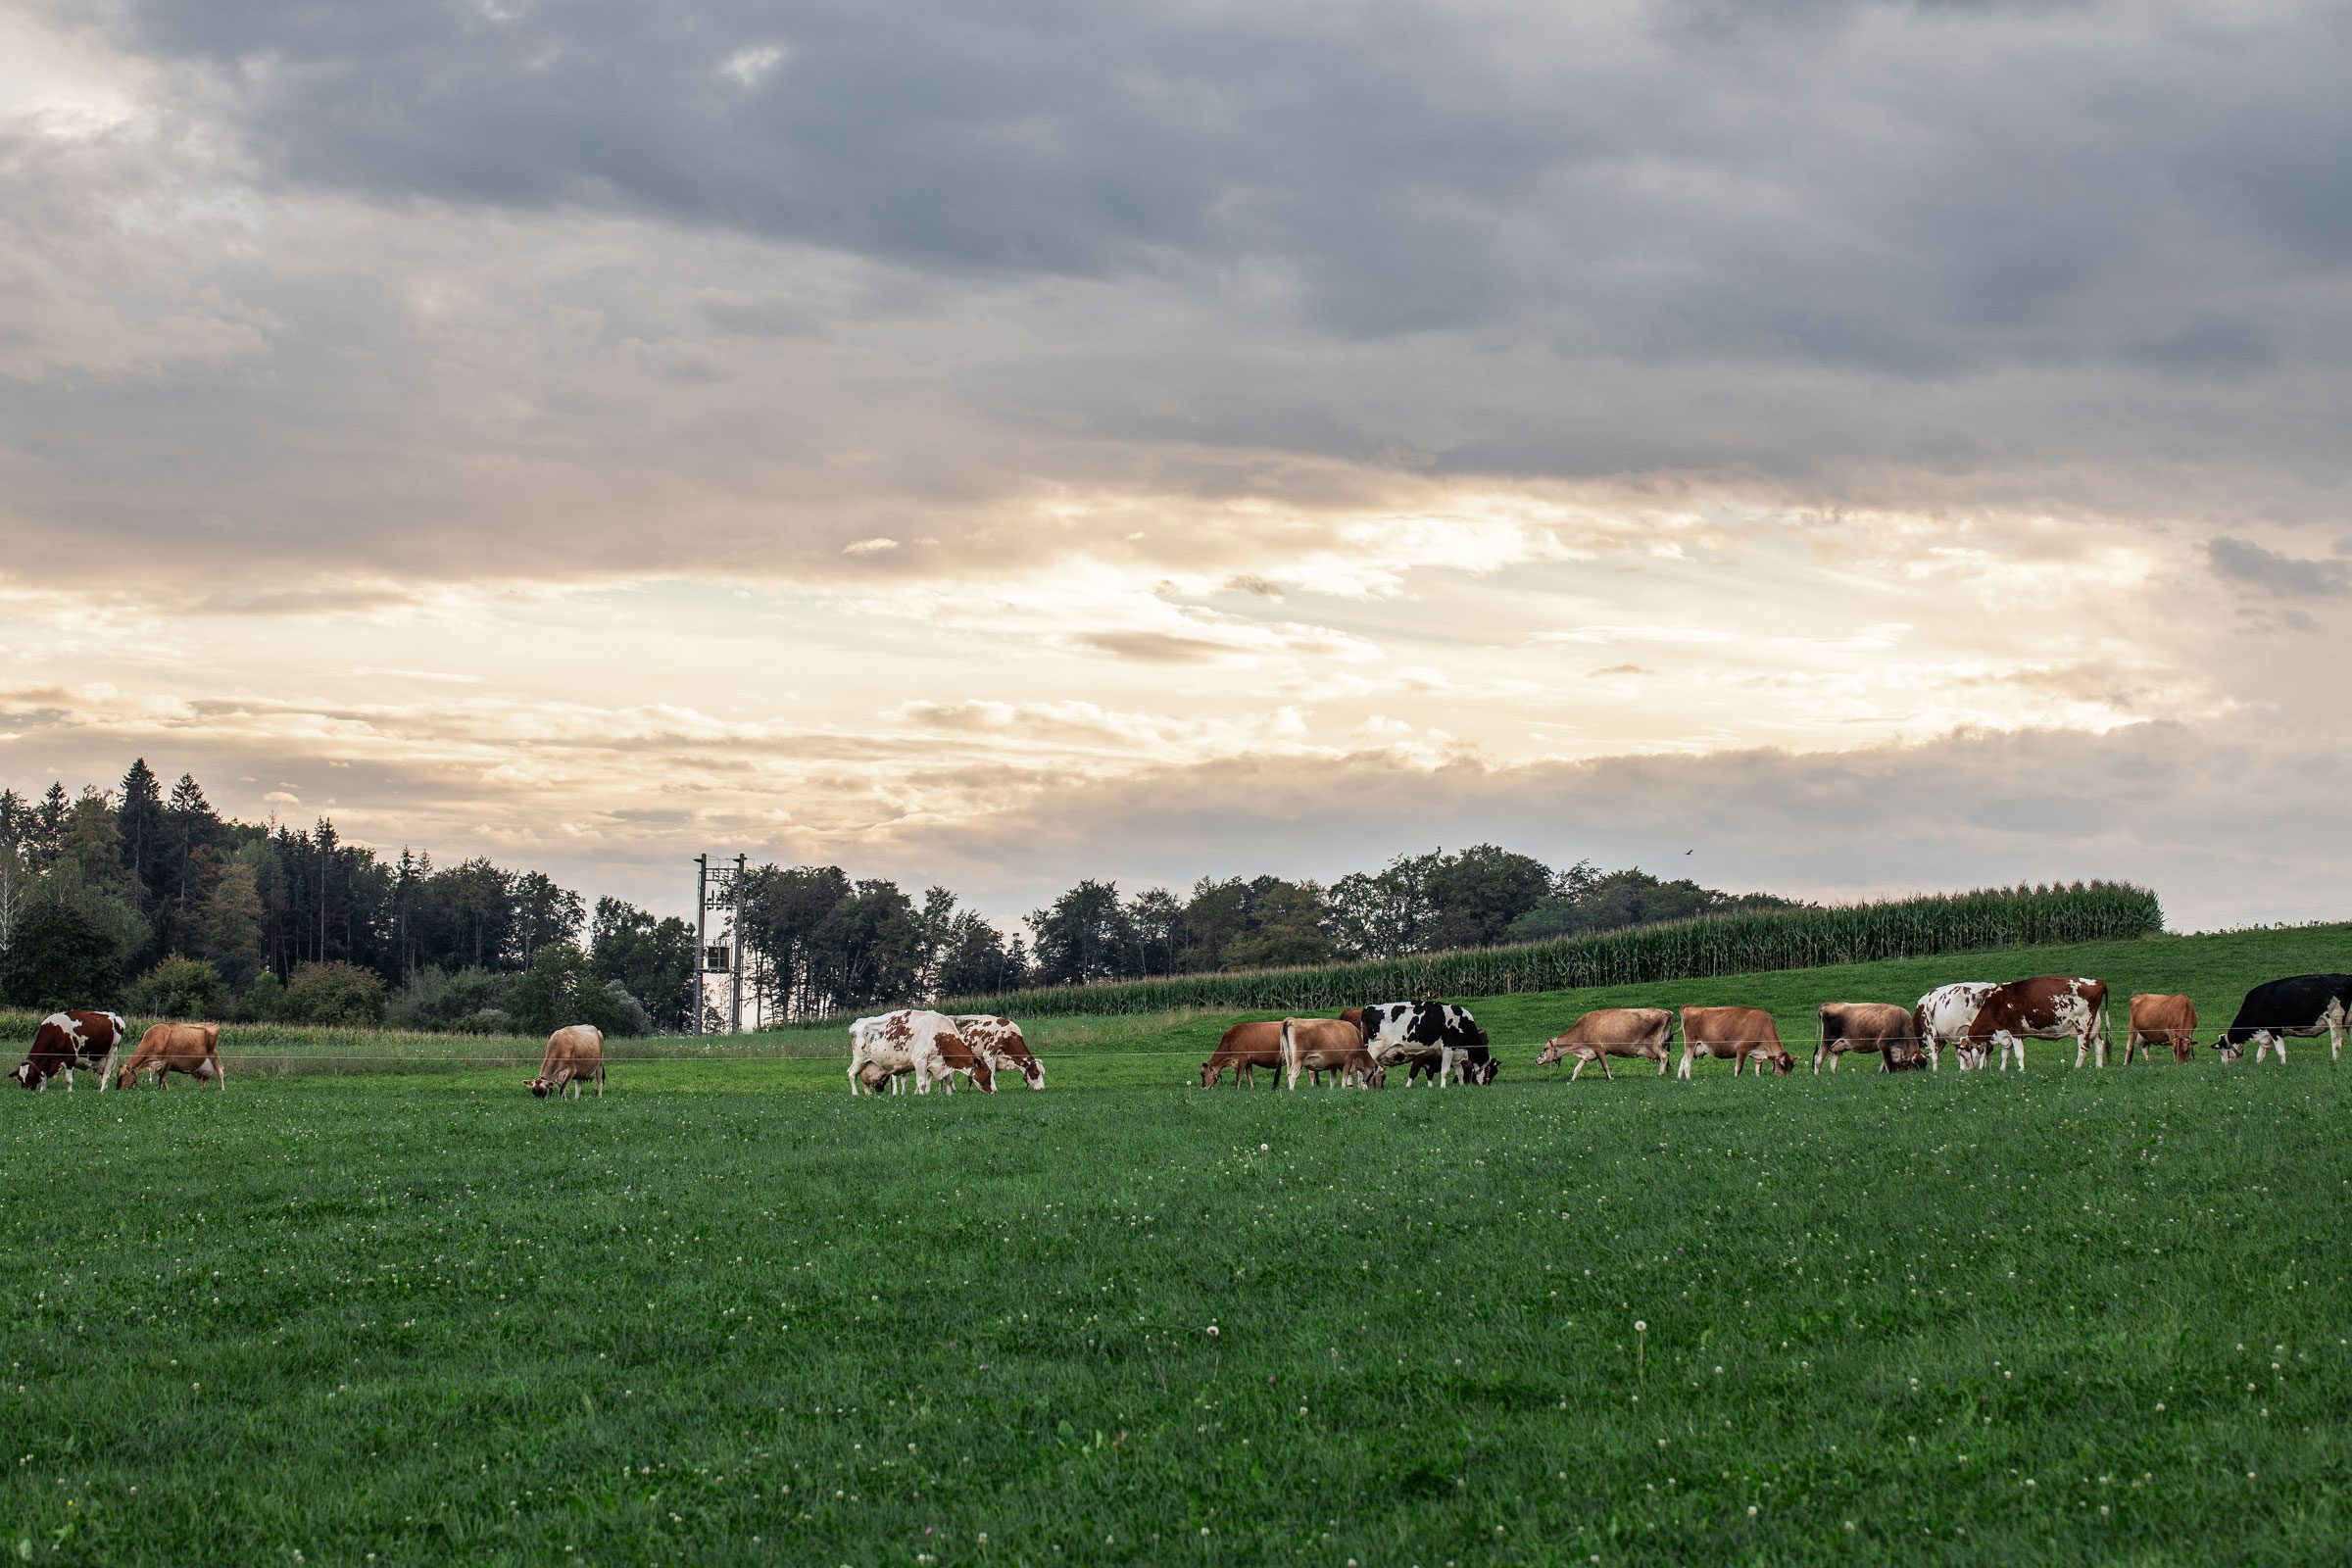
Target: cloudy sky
x,y
1874,447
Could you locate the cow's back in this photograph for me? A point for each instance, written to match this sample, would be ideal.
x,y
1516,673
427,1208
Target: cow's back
x,y
1619,1026
1258,1041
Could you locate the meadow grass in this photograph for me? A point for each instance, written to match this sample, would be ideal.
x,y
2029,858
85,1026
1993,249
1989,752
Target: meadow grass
x,y
715,1317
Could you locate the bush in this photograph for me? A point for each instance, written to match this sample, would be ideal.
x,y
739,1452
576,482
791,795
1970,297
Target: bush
x,y
180,988
264,1000
488,1021
630,1016
333,994
444,999
60,955
559,989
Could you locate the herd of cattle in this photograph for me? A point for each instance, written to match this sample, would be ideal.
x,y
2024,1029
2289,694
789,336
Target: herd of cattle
x,y
1977,1020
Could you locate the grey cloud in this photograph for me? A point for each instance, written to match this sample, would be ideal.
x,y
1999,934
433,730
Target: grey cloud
x,y
2249,564
1913,189
1154,647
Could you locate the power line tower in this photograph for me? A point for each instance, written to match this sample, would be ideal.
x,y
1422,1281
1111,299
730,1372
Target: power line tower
x,y
717,891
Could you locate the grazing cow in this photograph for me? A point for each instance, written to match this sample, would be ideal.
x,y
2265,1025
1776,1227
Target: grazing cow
x,y
913,1040
2303,1004
575,1055
1879,1028
1405,1031
1319,1046
1605,1032
69,1040
1735,1031
168,1048
2161,1019
1245,1047
1425,1067
1000,1041
1945,1016
2048,1006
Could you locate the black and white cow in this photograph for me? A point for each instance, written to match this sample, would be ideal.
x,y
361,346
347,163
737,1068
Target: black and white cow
x,y
1438,1032
2302,1005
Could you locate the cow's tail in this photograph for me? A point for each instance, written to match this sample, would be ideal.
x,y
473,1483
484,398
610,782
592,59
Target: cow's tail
x,y
1290,1052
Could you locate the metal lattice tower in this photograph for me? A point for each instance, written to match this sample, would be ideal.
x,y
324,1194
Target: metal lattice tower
x,y
717,890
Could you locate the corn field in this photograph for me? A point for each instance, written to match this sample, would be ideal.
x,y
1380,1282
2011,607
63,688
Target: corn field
x,y
1683,949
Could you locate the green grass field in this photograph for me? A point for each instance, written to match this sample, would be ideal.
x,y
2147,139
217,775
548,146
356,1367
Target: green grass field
x,y
730,1313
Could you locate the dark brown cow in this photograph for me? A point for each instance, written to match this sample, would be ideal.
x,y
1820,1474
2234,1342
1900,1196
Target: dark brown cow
x,y
1879,1028
1245,1047
69,1040
576,1055
1735,1031
2160,1018
1319,1046
1605,1032
2048,1006
168,1048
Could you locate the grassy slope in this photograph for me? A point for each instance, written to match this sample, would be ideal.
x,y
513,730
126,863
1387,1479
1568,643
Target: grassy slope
x,y
345,1316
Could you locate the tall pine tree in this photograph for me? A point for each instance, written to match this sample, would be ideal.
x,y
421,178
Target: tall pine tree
x,y
140,820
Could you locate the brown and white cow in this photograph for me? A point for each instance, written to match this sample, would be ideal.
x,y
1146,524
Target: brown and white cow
x,y
2048,1006
1319,1046
575,1055
69,1040
1604,1031
1001,1043
1737,1033
918,1041
168,1048
2159,1019
1945,1016
1245,1047
1878,1028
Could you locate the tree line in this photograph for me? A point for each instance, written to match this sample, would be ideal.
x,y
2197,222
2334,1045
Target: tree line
x,y
149,898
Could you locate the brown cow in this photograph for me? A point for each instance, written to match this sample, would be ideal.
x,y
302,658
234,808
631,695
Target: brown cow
x,y
1735,1031
575,1055
168,1048
1319,1046
1872,1027
69,1040
2159,1019
1001,1042
1245,1047
2050,1006
1605,1032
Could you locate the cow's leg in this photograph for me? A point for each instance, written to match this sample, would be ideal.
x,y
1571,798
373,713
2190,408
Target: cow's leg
x,y
2336,1033
1579,1067
1682,1070
105,1071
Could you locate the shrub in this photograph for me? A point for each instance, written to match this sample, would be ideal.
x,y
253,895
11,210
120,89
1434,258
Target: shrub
x,y
444,1000
264,1000
180,988
60,955
333,994
559,987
